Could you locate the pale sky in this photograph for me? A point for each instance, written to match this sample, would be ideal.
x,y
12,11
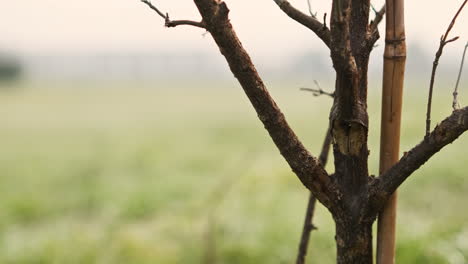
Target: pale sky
x,y
45,26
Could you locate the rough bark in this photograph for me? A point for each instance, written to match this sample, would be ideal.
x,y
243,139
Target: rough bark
x,y
308,21
305,166
352,196
445,133
349,122
354,242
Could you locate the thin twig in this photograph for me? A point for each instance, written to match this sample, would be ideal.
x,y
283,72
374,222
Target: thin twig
x,y
373,8
373,27
309,21
175,23
318,91
306,230
443,42
308,225
378,17
215,199
150,5
209,254
172,23
314,15
455,103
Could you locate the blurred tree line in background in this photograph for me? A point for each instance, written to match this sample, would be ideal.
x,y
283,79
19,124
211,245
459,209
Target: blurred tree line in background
x,y
10,67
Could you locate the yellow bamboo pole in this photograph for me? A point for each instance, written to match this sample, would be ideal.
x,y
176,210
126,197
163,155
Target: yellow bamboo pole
x,y
392,94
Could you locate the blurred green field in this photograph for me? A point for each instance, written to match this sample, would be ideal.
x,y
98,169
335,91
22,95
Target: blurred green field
x,y
128,174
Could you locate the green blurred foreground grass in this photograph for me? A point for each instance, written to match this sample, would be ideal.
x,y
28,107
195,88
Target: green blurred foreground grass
x,y
184,175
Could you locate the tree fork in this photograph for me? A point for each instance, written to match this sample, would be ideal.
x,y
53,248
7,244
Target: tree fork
x,y
392,96
353,198
305,166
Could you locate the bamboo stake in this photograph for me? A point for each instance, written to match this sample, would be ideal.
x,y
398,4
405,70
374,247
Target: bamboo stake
x,y
393,79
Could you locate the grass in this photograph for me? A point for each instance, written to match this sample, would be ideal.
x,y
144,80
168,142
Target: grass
x,y
129,175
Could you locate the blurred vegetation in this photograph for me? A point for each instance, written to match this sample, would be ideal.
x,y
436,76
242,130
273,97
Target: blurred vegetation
x,y
10,68
173,175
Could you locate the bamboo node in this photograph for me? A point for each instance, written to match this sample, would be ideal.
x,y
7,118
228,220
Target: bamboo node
x,y
395,41
395,57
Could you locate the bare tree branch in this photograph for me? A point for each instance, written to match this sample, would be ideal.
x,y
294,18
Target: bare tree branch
x,y
312,14
378,18
310,22
445,133
443,42
172,23
341,51
308,225
455,104
306,167
319,91
150,5
306,230
373,27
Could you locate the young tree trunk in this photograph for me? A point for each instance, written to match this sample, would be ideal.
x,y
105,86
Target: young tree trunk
x,y
353,221
354,242
352,196
349,123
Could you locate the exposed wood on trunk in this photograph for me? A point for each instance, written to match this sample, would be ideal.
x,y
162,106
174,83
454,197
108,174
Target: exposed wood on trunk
x,y
353,198
349,123
392,97
349,120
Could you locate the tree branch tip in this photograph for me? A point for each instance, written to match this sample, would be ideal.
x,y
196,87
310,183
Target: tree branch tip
x,y
317,92
312,14
325,20
309,21
443,42
452,39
